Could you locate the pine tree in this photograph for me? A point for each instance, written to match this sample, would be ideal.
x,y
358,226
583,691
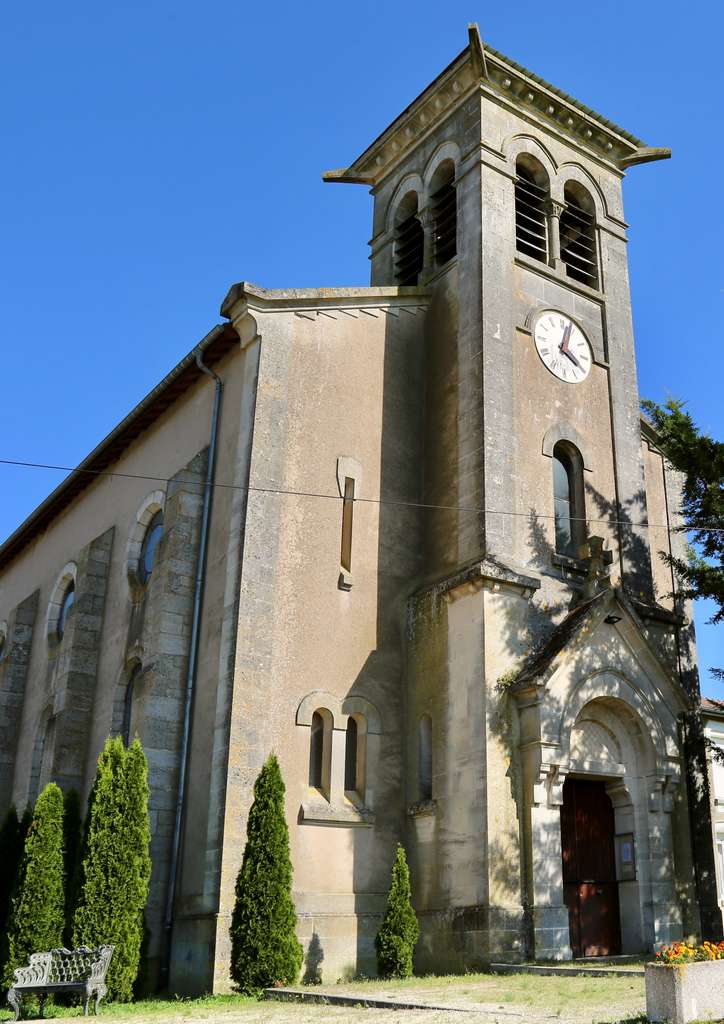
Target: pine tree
x,y
264,946
71,846
116,865
38,903
396,940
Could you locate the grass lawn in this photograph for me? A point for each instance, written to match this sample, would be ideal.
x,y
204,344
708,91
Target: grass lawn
x,y
487,998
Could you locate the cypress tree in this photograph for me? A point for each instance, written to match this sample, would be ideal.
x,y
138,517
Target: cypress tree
x,y
71,846
12,841
116,865
396,940
38,903
264,946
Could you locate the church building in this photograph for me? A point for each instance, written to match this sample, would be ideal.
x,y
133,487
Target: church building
x,y
407,537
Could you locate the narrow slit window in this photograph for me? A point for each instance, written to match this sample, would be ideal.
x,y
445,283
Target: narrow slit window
x,y
128,704
316,751
347,519
409,242
350,756
578,236
532,193
443,201
425,758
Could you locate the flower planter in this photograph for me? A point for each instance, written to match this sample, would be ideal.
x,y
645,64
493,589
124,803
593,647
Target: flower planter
x,y
679,993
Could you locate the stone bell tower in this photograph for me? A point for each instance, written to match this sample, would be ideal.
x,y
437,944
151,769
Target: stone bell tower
x,y
467,136
532,674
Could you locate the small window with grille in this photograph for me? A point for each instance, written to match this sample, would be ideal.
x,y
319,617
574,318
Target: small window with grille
x,y
443,202
578,236
532,191
409,242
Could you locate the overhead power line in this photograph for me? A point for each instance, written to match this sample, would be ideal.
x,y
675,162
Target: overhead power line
x,y
532,514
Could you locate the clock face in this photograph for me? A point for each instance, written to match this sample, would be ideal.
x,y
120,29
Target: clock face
x,y
563,347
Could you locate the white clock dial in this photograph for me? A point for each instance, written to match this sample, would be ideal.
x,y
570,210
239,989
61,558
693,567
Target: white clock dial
x,y
563,347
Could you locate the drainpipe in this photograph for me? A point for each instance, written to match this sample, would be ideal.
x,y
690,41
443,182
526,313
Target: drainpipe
x,y
192,665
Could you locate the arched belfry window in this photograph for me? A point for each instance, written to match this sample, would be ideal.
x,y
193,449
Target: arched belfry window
x,y
409,242
424,755
578,235
443,202
568,499
532,191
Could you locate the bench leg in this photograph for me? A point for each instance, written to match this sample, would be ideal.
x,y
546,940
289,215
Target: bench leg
x,y
41,1001
100,992
14,1000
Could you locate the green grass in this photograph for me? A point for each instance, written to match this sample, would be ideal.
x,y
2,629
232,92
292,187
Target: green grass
x,y
148,1007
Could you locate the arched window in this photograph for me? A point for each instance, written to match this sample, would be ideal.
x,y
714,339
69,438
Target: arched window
x,y
568,499
409,242
350,756
355,756
128,703
532,190
424,753
149,547
320,751
443,202
65,606
578,235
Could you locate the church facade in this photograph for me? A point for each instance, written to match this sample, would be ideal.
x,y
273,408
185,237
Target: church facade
x,y
406,537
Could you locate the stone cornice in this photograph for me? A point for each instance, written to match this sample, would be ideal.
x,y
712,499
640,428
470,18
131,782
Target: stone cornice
x,y
331,302
483,68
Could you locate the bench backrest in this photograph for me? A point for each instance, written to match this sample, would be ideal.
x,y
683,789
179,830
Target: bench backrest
x,y
65,966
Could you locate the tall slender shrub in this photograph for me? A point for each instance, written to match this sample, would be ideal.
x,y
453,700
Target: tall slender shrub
x,y
396,940
12,841
71,847
264,946
37,906
116,865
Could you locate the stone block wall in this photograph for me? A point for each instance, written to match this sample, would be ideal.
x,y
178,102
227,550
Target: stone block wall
x,y
13,679
76,673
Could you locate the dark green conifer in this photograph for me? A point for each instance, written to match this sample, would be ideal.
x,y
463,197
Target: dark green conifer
x,y
264,946
12,841
71,847
396,940
38,903
116,865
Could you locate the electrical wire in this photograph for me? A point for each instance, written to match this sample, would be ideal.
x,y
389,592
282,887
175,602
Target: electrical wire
x,y
369,501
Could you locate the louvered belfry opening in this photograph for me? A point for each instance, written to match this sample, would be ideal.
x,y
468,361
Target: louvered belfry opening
x,y
578,236
409,242
531,200
444,213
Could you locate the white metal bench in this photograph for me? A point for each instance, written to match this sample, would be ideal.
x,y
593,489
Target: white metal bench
x,y
80,970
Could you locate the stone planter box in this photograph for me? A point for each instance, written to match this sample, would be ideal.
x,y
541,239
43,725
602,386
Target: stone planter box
x,y
681,993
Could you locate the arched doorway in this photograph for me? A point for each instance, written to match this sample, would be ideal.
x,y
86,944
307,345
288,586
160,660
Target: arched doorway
x,y
590,885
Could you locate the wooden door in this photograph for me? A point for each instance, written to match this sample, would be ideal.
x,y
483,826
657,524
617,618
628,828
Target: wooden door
x,y
589,869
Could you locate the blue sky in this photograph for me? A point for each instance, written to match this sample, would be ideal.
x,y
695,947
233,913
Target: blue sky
x,y
156,152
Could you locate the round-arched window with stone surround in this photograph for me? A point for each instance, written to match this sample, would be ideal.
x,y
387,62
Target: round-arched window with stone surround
x,y
149,547
144,540
61,603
